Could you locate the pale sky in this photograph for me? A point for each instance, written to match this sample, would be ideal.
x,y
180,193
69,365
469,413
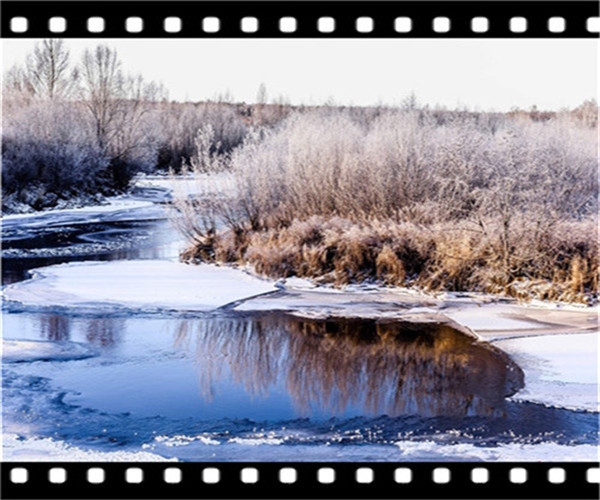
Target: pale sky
x,y
484,74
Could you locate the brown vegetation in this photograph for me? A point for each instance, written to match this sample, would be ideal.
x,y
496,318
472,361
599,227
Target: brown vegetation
x,y
443,201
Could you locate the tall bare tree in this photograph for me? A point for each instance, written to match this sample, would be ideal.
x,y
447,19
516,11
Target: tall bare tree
x,y
47,70
102,87
118,105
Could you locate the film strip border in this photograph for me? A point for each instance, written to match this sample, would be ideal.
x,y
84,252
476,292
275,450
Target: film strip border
x,y
301,19
300,480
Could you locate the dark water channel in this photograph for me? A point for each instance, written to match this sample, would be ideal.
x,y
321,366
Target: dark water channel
x,y
27,248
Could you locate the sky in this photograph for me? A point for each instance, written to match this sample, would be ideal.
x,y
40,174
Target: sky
x,y
479,74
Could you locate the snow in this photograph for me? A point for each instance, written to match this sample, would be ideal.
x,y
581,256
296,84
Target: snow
x,y
138,284
16,351
192,184
400,451
560,370
20,449
115,204
548,452
491,317
294,283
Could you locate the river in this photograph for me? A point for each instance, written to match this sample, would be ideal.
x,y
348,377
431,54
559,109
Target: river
x,y
235,385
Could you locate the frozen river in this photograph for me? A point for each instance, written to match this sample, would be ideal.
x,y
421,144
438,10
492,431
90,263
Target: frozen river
x,y
182,371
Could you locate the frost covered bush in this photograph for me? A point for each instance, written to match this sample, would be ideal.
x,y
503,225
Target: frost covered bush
x,y
73,131
453,201
407,167
47,156
181,123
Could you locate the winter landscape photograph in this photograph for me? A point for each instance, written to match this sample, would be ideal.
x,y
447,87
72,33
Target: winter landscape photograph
x,y
308,250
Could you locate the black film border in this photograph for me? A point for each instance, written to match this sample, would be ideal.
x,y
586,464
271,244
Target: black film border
x,y
382,14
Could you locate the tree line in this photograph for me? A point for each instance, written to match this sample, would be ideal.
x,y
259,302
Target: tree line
x,y
75,130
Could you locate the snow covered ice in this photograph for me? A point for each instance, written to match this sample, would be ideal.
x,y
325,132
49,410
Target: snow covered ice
x,y
560,370
144,284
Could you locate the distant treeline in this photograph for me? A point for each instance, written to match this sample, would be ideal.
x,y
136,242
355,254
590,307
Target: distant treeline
x,y
73,129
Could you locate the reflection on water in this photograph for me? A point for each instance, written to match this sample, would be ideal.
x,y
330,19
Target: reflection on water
x,y
392,368
99,331
104,332
55,327
283,365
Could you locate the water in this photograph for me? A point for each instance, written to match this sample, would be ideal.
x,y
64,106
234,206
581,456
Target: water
x,y
32,242
273,367
277,387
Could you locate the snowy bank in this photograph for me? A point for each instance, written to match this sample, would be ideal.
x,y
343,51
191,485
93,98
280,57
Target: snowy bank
x,y
20,351
139,284
19,449
189,185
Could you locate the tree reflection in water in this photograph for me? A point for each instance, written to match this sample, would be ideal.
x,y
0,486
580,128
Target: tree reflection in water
x,y
99,331
381,367
55,327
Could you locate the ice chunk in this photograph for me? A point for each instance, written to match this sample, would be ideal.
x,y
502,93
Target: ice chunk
x,y
560,370
141,284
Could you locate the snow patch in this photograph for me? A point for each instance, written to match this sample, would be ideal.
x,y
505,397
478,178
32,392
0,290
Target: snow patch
x,y
19,449
295,283
548,452
138,284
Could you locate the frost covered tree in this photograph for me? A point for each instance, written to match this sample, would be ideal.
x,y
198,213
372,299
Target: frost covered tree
x,y
117,104
47,70
102,84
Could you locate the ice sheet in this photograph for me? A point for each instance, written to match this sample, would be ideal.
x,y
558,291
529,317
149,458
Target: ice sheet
x,y
560,370
489,318
114,204
17,351
269,449
138,284
192,184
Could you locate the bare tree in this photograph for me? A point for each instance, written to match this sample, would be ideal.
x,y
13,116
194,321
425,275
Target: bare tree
x,y
47,70
102,88
15,82
118,105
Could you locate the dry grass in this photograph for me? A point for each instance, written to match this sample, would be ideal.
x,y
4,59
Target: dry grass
x,y
441,257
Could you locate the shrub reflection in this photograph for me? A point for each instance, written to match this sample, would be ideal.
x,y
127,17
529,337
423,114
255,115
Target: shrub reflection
x,y
380,367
